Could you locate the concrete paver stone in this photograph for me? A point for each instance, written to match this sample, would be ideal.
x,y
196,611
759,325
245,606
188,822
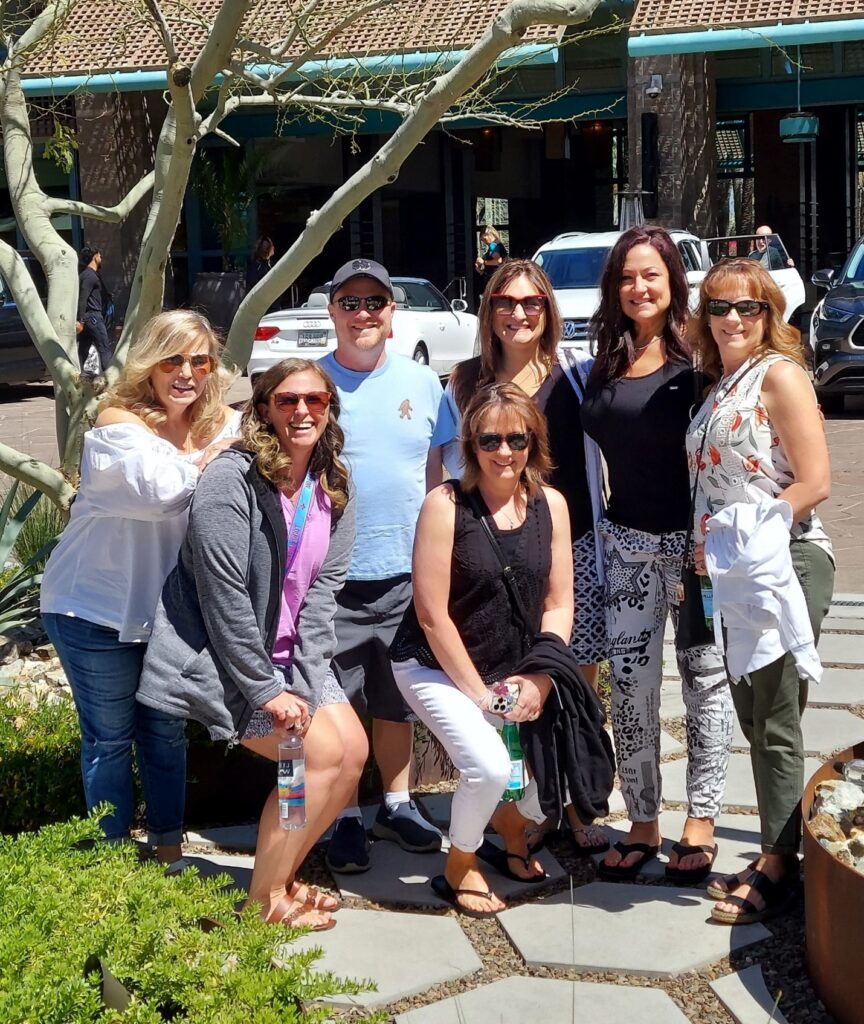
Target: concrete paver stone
x,y
518,1000
740,791
397,876
843,624
231,837
840,649
745,995
377,945
737,837
671,699
824,730
596,934
838,686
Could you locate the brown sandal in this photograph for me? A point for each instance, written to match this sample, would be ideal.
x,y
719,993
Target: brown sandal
x,y
292,918
312,895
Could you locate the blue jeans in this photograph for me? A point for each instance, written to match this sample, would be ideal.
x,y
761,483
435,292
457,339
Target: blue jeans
x,y
103,674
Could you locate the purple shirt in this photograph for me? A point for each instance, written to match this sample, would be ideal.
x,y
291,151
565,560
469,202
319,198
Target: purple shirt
x,y
303,573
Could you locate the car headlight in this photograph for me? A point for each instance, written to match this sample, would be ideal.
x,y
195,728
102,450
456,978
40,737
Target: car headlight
x,y
834,315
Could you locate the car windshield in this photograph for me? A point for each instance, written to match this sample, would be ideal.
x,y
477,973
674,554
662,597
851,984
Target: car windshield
x,y
573,268
853,272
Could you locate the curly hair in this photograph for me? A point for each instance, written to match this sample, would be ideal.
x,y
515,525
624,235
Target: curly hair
x,y
609,327
748,278
273,462
169,334
475,373
520,408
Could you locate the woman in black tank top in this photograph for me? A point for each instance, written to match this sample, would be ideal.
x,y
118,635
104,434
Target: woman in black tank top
x,y
462,634
637,408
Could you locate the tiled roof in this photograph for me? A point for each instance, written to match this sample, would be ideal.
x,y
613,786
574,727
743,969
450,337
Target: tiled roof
x,y
109,35
692,15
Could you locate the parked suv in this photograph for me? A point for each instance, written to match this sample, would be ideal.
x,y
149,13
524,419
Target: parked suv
x,y
837,334
574,262
20,362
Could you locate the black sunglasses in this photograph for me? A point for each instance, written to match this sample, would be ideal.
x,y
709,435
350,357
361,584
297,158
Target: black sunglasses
x,y
517,441
746,307
351,303
532,305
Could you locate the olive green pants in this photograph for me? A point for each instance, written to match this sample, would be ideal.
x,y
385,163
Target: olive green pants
x,y
770,708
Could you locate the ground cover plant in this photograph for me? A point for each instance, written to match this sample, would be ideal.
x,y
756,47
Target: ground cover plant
x,y
65,897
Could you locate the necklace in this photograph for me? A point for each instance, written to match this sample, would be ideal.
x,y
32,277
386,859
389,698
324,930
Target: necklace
x,y
648,344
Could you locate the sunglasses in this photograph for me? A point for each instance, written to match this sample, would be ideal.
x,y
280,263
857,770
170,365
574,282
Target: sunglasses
x,y
532,305
316,401
746,307
517,441
201,365
373,303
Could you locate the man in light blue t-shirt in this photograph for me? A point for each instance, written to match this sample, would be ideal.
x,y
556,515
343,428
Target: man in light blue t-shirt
x,y
389,410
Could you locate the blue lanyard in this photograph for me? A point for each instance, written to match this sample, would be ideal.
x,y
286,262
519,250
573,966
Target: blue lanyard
x,y
295,534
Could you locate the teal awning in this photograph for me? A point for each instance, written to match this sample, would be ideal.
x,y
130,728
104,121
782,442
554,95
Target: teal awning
x,y
798,33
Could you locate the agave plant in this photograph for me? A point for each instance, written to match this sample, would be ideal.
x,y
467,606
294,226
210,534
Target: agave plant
x,y
19,583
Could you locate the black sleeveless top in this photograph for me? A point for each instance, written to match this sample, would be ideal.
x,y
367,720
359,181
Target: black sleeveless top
x,y
479,603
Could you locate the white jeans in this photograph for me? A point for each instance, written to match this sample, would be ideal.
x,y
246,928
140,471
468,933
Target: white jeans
x,y
471,739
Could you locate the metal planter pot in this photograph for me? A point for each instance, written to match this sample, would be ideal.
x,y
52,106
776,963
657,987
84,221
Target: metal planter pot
x,y
834,914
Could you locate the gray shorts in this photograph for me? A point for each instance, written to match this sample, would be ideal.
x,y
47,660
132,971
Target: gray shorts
x,y
368,613
261,722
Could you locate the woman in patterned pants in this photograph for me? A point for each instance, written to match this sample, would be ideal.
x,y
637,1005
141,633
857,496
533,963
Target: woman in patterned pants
x,y
638,403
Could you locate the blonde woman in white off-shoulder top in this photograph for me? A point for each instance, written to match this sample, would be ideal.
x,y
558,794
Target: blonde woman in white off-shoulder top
x,y
157,429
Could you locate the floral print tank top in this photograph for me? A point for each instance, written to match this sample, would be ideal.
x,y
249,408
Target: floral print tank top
x,y
742,453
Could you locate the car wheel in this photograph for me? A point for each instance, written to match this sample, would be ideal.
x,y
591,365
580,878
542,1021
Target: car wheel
x,y
421,356
830,402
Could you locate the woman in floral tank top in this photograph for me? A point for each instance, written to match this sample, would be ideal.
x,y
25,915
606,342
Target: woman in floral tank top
x,y
759,433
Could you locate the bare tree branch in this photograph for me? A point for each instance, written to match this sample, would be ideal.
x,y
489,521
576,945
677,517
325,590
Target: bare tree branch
x,y
163,29
109,214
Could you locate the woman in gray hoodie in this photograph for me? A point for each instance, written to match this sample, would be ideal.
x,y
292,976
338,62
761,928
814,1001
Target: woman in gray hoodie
x,y
244,634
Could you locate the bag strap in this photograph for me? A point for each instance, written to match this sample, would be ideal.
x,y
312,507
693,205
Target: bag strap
x,y
506,568
572,375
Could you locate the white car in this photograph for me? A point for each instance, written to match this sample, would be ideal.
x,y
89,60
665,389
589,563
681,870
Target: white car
x,y
574,262
426,328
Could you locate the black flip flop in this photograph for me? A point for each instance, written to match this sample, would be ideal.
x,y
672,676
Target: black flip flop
x,y
498,858
694,875
445,891
617,872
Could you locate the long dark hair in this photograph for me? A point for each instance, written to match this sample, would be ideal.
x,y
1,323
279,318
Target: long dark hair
x,y
476,373
609,328
274,463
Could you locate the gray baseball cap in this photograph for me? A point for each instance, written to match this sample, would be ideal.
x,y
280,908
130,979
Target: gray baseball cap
x,y
360,268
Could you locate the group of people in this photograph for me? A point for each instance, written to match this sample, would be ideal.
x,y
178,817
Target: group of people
x,y
359,543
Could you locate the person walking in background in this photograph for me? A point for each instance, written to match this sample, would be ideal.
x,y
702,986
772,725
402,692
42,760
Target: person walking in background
x,y
389,411
260,262
93,300
493,251
759,456
519,326
158,427
637,406
244,636
462,634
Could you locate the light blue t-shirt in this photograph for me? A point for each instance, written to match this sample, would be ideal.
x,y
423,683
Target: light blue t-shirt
x,y
388,416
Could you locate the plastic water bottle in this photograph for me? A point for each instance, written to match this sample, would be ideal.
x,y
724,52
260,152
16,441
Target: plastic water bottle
x,y
707,592
291,783
516,783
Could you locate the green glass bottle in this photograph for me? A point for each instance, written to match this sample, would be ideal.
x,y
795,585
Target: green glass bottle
x,y
516,783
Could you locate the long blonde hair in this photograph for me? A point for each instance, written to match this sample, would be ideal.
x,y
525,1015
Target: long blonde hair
x,y
169,334
273,462
755,281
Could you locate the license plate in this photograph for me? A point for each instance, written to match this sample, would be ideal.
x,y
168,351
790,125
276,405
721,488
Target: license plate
x,y
311,339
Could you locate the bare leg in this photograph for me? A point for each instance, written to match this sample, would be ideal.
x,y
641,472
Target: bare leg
x,y
513,829
461,872
592,675
697,832
775,865
392,743
330,777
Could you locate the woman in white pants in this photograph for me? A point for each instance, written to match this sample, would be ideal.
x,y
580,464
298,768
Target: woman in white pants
x,y
462,635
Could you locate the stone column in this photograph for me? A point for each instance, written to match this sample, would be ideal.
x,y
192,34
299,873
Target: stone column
x,y
116,143
687,156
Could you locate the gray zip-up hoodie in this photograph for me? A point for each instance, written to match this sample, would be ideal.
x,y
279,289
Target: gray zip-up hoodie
x,y
209,653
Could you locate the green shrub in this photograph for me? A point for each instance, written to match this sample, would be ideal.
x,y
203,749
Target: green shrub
x,y
42,526
19,591
59,905
40,767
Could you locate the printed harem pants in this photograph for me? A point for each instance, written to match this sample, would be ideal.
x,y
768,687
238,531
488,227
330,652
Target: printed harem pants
x,y
642,573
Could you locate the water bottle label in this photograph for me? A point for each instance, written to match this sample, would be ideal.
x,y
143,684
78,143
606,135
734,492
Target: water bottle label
x,y
517,776
707,603
296,796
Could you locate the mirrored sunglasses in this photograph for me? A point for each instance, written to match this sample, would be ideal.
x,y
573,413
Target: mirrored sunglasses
x,y
372,303
532,305
200,365
517,441
315,401
746,307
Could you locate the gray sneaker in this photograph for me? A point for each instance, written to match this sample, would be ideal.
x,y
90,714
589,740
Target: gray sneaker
x,y
406,826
